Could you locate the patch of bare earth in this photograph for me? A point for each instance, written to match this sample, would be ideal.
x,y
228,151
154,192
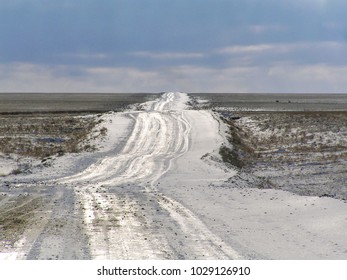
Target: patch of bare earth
x,y
17,213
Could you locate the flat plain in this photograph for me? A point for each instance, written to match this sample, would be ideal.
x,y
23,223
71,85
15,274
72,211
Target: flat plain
x,y
173,176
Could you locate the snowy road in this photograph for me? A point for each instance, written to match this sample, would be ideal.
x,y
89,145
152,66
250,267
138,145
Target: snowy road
x,y
157,138
113,209
127,227
157,191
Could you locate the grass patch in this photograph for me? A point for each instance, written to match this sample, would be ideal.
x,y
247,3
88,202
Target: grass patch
x,y
241,153
41,136
16,217
231,156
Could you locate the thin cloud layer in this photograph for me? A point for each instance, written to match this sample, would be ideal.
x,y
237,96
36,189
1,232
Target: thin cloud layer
x,y
156,45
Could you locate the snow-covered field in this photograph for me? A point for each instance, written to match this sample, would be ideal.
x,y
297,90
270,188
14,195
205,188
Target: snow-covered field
x,y
157,189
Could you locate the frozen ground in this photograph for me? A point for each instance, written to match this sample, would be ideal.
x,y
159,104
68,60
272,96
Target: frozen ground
x,y
157,189
301,152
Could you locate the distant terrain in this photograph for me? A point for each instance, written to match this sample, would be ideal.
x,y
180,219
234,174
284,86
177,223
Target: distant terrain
x,y
16,103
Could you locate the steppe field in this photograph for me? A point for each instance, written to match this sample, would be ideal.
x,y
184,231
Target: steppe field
x,y
173,176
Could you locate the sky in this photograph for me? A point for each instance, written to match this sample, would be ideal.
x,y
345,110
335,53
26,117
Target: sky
x,y
266,46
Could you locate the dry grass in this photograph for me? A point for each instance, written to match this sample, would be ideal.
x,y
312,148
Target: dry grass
x,y
41,136
18,215
303,152
241,153
288,133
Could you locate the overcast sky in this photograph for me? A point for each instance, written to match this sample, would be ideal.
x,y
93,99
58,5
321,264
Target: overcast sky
x,y
162,45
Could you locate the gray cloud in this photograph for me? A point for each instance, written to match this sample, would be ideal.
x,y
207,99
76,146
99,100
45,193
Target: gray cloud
x,y
277,78
204,45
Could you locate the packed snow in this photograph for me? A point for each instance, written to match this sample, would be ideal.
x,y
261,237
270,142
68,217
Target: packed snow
x,y
157,189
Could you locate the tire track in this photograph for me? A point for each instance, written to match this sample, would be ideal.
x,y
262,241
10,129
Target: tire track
x,y
123,214
158,138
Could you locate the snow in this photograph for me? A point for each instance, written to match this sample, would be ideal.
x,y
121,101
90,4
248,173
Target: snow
x,y
160,135
8,256
7,165
156,189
